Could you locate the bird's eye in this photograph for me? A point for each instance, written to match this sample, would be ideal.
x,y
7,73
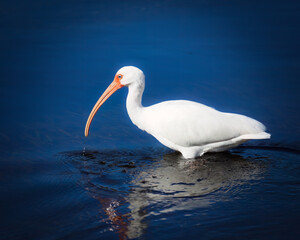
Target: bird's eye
x,y
120,76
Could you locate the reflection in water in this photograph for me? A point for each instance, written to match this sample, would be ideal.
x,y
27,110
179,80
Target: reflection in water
x,y
132,187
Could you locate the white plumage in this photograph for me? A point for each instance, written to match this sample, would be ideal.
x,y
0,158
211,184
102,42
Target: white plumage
x,y
185,126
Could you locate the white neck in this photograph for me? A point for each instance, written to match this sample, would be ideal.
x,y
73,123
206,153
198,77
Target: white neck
x,y
134,102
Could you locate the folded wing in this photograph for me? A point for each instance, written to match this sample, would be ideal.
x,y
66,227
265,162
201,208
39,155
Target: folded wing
x,y
187,123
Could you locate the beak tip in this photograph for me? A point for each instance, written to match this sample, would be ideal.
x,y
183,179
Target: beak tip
x,y
86,133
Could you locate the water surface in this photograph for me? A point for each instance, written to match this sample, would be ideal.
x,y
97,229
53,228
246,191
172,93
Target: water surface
x,y
57,57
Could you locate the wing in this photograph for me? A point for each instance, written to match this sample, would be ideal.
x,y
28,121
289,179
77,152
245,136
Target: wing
x,y
187,123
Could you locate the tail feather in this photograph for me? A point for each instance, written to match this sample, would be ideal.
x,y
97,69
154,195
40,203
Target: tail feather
x,y
261,135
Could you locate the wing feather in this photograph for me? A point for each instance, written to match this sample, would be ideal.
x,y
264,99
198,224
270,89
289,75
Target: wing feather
x,y
188,123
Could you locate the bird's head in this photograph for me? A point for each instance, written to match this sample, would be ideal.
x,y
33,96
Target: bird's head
x,y
126,76
129,75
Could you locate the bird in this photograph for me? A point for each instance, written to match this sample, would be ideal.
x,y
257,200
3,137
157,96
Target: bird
x,y
188,127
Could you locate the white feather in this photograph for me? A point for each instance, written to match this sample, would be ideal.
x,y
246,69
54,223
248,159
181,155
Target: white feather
x,y
189,127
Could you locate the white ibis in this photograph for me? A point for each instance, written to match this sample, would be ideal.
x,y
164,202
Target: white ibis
x,y
185,126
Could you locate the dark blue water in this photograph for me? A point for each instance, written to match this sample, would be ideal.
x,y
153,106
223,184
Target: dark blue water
x,y
57,57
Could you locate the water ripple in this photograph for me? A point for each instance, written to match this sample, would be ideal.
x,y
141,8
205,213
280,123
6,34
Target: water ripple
x,y
134,185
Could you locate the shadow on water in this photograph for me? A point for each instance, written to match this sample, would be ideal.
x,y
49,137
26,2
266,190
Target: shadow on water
x,y
132,186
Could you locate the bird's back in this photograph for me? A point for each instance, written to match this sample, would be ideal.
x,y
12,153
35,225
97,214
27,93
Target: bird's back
x,y
187,123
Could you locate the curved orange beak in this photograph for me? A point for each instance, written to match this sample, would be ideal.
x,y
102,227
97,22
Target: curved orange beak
x,y
114,86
